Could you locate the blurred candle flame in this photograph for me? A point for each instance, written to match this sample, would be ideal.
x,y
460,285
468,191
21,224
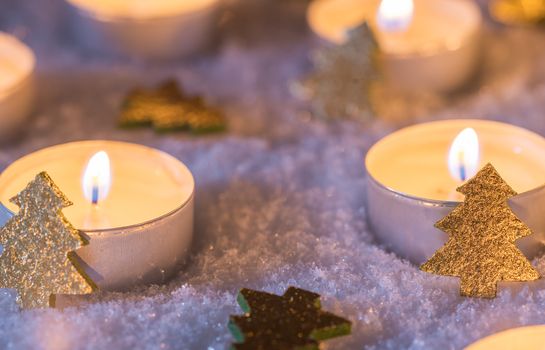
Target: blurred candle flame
x,y
395,15
97,178
464,155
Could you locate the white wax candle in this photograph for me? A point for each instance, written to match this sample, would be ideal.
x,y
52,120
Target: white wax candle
x,y
17,64
10,73
158,29
435,25
141,231
413,161
522,338
438,50
146,184
142,9
409,185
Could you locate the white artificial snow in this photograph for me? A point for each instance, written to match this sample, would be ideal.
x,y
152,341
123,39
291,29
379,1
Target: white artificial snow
x,y
280,197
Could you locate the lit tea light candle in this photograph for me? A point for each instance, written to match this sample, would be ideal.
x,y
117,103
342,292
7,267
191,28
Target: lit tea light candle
x,y
413,175
96,183
17,64
97,178
429,45
522,338
463,156
135,204
395,15
160,29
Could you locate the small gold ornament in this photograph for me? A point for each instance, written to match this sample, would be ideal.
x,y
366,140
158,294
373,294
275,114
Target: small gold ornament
x,y
168,109
38,243
341,84
292,321
482,233
522,12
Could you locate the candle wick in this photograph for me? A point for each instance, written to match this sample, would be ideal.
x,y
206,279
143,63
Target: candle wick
x,y
94,196
462,172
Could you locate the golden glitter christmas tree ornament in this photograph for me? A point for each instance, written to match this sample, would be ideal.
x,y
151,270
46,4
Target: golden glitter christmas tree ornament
x,y
341,83
38,243
292,321
168,109
518,12
482,233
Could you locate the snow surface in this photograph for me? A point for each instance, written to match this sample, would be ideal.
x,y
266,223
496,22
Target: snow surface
x,y
280,197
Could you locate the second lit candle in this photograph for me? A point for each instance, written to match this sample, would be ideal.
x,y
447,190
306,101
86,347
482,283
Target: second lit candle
x,y
431,45
411,185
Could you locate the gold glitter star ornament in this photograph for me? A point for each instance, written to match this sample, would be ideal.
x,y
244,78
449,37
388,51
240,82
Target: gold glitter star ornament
x,y
288,322
38,243
482,233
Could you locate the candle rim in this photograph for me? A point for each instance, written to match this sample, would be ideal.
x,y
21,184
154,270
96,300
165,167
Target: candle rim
x,y
122,228
412,197
465,41
437,202
466,122
28,65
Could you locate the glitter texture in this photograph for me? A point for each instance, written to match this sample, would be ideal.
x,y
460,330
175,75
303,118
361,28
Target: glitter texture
x,y
38,242
340,85
292,321
482,233
168,109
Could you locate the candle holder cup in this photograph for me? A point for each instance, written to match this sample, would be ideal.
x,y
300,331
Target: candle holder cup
x,y
403,220
16,99
150,238
439,51
161,37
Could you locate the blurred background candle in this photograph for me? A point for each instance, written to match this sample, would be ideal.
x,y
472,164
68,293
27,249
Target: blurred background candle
x,y
17,65
135,204
159,29
522,338
518,12
413,175
430,45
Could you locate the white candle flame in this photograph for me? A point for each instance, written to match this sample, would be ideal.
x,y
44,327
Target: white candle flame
x,y
97,178
395,15
464,155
